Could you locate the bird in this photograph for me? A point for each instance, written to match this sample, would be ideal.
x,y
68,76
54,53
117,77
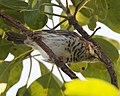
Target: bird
x,y
68,45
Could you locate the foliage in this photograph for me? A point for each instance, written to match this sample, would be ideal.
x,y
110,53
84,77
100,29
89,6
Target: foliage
x,y
90,87
35,14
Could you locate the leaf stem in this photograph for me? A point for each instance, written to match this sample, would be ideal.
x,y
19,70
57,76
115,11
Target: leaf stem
x,y
61,75
29,69
50,76
55,14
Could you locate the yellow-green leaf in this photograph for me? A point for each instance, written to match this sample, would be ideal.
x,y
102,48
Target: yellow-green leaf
x,y
95,71
82,20
102,9
78,67
113,18
34,3
90,87
35,20
35,89
14,76
17,50
92,22
46,85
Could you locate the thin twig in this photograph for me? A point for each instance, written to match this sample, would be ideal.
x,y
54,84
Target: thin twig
x,y
77,7
29,69
48,27
59,24
62,6
67,7
49,79
95,32
61,75
55,14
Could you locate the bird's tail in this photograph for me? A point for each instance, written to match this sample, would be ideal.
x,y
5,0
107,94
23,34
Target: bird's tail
x,y
17,38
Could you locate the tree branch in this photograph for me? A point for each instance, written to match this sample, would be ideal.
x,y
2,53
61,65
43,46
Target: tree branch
x,y
38,40
101,54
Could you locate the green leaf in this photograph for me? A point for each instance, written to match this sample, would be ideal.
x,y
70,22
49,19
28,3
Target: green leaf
x,y
107,11
14,75
14,4
21,91
102,9
112,41
108,48
34,3
4,25
113,18
1,32
3,66
35,20
78,67
17,50
99,65
5,47
82,20
35,89
44,86
75,2
98,7
49,9
94,72
90,87
48,81
4,75
92,22
44,70
3,7
94,10
45,8
6,71
15,14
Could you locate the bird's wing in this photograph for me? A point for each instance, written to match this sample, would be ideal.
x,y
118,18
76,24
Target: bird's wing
x,y
61,32
17,38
